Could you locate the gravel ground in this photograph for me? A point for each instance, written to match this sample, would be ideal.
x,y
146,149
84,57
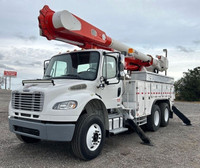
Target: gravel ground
x,y
174,146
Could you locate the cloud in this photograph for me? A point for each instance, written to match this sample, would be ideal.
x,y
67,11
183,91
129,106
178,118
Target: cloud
x,y
64,45
3,66
25,38
37,63
147,26
25,57
196,42
1,56
184,49
22,63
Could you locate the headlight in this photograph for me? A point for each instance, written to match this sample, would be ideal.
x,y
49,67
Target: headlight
x,y
65,105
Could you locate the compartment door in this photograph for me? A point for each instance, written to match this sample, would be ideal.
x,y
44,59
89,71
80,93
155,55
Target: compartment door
x,y
140,98
147,99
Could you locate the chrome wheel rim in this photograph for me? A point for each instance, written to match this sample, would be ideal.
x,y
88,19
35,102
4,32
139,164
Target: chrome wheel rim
x,y
166,115
94,137
156,118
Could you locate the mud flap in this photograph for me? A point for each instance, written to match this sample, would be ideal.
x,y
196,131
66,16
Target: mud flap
x,y
181,116
140,132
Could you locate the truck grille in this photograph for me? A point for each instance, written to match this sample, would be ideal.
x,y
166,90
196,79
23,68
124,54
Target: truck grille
x,y
28,101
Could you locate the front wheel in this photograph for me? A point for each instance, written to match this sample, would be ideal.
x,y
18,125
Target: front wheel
x,y
153,121
89,137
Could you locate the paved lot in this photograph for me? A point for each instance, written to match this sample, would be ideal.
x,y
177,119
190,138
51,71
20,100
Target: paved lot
x,y
174,146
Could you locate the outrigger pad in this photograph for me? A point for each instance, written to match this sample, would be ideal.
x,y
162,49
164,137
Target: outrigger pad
x,y
181,116
140,132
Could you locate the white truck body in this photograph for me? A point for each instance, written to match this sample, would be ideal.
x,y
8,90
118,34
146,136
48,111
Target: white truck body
x,y
34,102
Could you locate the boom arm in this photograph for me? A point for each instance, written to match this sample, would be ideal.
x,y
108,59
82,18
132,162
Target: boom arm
x,y
67,27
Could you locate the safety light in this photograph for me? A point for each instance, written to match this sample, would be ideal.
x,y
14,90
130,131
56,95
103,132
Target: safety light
x,y
158,56
130,50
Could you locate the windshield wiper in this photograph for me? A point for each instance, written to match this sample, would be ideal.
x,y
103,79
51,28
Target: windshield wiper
x,y
48,76
72,75
69,76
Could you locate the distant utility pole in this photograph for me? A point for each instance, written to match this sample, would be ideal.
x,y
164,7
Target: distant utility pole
x,y
5,82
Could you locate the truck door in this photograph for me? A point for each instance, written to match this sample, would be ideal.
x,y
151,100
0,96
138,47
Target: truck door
x,y
111,93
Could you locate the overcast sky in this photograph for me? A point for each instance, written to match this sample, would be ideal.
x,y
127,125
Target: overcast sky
x,y
145,25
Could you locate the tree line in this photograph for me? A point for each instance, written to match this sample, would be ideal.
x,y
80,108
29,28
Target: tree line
x,y
188,87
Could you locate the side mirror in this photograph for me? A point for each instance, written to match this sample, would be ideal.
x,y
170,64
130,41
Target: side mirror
x,y
102,82
102,79
46,63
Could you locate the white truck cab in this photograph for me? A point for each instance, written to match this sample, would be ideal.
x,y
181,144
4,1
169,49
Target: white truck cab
x,y
76,83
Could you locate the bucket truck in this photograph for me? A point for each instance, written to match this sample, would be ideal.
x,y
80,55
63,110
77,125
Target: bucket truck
x,y
104,88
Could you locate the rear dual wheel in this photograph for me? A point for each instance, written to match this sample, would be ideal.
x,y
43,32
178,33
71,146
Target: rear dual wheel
x,y
164,107
159,117
153,121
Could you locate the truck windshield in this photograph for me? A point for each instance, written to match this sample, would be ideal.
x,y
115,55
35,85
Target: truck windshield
x,y
80,65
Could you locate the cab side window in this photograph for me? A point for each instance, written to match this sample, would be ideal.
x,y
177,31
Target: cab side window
x,y
109,67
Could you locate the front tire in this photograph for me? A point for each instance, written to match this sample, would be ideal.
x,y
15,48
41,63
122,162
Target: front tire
x,y
153,121
26,139
89,137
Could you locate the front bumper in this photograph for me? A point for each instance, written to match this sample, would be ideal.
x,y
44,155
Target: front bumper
x,y
44,131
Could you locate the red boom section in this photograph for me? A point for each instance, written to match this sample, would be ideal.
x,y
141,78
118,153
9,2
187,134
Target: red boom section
x,y
134,64
87,37
67,27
